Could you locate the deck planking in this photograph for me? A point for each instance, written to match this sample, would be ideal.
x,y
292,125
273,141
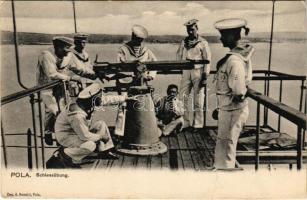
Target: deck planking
x,y
186,151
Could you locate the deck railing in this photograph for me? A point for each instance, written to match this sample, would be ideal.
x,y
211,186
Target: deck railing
x,y
291,114
35,97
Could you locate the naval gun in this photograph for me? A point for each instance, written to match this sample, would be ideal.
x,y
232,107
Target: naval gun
x,y
141,133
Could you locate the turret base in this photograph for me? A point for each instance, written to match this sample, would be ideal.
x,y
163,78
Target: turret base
x,y
143,150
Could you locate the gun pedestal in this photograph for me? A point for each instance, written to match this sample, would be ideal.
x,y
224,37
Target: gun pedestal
x,y
141,130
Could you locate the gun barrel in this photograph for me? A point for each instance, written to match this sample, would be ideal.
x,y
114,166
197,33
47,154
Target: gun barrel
x,y
151,66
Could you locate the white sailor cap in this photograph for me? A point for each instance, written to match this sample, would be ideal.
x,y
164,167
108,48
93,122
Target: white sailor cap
x,y
65,40
81,36
230,23
191,22
90,91
140,31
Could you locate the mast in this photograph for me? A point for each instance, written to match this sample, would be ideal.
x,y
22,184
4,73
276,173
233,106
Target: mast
x,y
74,11
267,83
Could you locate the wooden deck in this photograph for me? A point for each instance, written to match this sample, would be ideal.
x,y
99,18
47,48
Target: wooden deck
x,y
194,151
185,151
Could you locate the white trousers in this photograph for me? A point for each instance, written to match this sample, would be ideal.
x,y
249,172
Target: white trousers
x,y
78,149
230,124
191,80
51,109
168,128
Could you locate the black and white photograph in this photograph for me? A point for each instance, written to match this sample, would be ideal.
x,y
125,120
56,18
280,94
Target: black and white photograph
x,y
154,89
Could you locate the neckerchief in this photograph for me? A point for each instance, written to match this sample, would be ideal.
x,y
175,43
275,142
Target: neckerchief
x,y
191,43
131,50
79,56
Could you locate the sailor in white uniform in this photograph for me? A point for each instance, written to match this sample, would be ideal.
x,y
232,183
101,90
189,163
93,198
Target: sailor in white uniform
x,y
133,51
52,65
234,73
194,47
80,59
75,131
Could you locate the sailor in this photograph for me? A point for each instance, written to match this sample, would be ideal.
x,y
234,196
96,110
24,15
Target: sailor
x,y
194,47
169,111
78,134
133,51
234,73
52,66
80,59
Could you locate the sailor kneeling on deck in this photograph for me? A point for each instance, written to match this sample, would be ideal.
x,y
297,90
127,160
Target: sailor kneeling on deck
x,y
76,132
234,73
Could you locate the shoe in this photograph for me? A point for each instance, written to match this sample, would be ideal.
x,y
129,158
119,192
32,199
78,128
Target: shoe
x,y
187,129
178,129
108,155
210,168
54,163
48,138
66,160
197,130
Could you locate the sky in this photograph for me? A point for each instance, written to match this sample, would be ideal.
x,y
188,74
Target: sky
x,y
159,17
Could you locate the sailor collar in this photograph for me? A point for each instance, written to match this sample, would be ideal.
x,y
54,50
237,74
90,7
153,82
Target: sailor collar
x,y
244,51
131,50
188,43
81,56
73,109
58,61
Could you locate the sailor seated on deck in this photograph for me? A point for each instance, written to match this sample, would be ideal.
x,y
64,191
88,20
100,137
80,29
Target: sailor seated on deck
x,y
76,132
169,111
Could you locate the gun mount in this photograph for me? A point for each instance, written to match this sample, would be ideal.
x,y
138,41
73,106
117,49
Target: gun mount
x,y
139,124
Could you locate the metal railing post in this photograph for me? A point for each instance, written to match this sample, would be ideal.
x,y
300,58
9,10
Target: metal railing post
x,y
280,99
264,108
3,146
41,127
205,106
66,93
301,109
29,144
301,96
257,137
32,101
299,148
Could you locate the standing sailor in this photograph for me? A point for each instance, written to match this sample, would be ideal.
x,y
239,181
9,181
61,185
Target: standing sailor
x,y
194,47
134,51
234,73
81,59
51,66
